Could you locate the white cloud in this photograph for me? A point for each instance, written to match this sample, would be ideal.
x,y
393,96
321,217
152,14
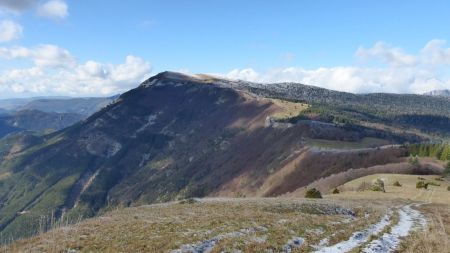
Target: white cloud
x,y
349,79
43,56
57,72
402,73
434,53
10,30
388,54
54,9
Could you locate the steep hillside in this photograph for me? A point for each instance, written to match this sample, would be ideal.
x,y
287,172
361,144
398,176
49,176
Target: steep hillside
x,y
178,136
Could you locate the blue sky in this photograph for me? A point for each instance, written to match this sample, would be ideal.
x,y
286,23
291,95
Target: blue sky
x,y
90,48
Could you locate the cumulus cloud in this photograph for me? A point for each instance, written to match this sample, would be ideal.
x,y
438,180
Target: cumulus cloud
x,y
435,53
16,5
57,72
54,9
43,56
401,73
10,30
388,54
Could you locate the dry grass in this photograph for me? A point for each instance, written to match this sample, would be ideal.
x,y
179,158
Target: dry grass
x,y
327,184
436,238
287,109
165,227
434,194
161,228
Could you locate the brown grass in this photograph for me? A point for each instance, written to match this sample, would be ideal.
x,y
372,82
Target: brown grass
x,y
436,238
164,227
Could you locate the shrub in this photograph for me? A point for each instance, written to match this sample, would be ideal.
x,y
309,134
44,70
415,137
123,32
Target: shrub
x,y
421,178
448,188
313,193
413,160
336,191
378,186
421,185
397,183
439,179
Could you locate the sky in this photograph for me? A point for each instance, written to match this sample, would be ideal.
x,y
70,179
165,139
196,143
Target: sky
x,y
101,48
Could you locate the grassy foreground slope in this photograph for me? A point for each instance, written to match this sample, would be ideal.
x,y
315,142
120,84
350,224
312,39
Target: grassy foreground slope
x,y
351,221
249,225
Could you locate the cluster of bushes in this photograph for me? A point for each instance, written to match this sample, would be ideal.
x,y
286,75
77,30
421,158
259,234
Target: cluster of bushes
x,y
421,184
377,185
313,193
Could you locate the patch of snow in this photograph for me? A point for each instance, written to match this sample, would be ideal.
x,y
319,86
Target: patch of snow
x,y
207,246
324,242
410,219
260,239
359,237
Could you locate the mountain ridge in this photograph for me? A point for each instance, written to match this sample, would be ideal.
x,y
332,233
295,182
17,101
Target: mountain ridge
x,y
174,137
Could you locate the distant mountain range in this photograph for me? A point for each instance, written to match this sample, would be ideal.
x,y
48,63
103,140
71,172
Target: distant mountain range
x,y
438,93
46,114
83,106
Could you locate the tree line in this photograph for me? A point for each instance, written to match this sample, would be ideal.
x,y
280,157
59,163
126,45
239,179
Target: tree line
x,y
439,150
